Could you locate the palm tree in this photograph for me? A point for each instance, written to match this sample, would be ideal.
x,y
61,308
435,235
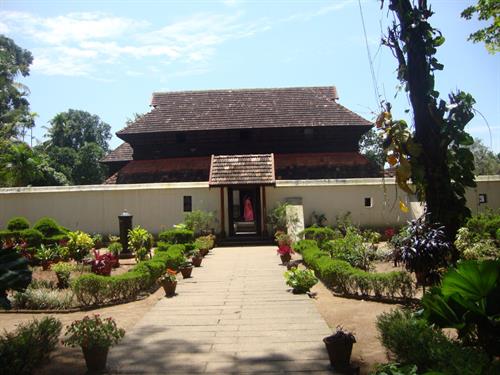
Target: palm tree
x,y
18,166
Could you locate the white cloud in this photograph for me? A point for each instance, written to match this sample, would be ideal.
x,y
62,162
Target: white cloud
x,y
81,44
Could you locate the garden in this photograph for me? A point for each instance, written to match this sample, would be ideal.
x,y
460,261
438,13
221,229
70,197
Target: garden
x,y
48,268
445,296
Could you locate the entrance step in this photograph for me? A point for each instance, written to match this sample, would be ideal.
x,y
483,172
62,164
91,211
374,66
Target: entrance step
x,y
245,241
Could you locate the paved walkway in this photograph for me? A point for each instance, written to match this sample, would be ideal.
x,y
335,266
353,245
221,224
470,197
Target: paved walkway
x,y
234,316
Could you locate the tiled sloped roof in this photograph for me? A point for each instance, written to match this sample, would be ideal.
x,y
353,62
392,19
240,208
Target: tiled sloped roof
x,y
244,108
123,152
242,170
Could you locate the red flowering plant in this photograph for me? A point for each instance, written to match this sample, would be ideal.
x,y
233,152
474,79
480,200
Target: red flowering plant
x,y
284,243
170,276
93,332
102,263
285,249
389,233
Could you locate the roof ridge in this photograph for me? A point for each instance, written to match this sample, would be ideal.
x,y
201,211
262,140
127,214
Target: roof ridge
x,y
245,89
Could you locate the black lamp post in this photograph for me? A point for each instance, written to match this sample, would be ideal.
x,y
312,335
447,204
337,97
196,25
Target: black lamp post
x,y
125,221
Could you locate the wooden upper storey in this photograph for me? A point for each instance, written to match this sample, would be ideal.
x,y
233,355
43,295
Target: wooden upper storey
x,y
247,121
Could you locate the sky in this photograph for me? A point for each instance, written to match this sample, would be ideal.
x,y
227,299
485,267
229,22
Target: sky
x,y
108,57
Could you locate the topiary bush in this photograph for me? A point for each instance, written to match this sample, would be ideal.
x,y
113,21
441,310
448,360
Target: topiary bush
x,y
15,274
24,349
48,227
18,224
177,236
32,237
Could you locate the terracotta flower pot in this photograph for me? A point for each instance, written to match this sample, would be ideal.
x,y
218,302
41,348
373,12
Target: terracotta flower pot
x,y
169,287
196,261
95,358
203,252
285,258
186,272
339,350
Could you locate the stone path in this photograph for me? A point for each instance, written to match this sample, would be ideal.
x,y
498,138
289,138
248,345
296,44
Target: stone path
x,y
234,316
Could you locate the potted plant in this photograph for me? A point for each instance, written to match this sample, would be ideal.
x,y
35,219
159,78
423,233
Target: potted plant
x,y
169,282
339,348
285,253
63,272
115,248
94,335
196,258
46,256
186,268
300,280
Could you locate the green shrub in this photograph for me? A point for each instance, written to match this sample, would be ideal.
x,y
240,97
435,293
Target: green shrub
x,y
18,224
63,271
472,247
140,241
43,299
300,280
343,278
414,341
32,237
93,289
15,274
163,246
303,244
485,224
177,236
115,248
22,350
320,234
49,227
352,248
394,369
79,245
204,243
200,222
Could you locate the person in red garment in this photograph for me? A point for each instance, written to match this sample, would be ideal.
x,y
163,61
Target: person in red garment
x,y
247,209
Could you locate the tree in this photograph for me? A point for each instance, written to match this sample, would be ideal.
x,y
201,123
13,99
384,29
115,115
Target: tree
x,y
77,141
18,166
14,107
486,10
485,161
435,156
371,146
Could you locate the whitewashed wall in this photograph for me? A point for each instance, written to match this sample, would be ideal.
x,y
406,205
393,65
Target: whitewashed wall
x,y
159,206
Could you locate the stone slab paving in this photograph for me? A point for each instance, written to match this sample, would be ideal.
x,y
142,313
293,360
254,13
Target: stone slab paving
x,y
234,316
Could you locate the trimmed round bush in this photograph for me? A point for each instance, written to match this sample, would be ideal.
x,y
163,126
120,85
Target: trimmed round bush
x,y
32,236
49,227
18,224
321,234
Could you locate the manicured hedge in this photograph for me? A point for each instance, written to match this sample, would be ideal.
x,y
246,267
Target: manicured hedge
x,y
342,277
177,236
18,223
93,289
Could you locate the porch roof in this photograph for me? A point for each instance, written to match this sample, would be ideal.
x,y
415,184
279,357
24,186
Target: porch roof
x,y
253,169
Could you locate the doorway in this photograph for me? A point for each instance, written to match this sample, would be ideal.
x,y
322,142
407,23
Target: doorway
x,y
244,211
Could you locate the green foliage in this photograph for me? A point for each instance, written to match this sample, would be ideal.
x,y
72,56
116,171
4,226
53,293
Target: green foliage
x,y
414,341
46,253
204,243
48,227
371,146
77,141
395,369
93,332
353,249
320,234
318,219
18,165
343,278
63,271
300,280
469,301
32,237
484,225
115,248
91,290
474,247
200,222
23,350
485,161
278,219
486,10
43,299
15,274
177,236
79,245
140,241
15,116
18,223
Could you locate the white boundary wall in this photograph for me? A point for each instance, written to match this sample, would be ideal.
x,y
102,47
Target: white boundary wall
x,y
94,208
